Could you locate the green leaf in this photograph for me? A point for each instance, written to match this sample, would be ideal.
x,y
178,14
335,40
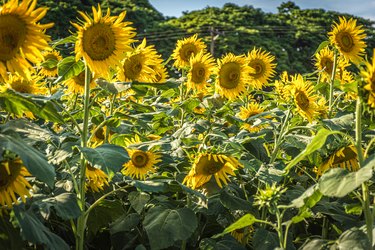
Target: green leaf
x,y
33,160
125,223
10,237
113,87
150,186
244,221
68,39
321,46
315,244
138,200
265,240
189,104
166,226
68,68
232,202
66,205
305,202
339,182
50,63
34,231
316,143
107,157
353,238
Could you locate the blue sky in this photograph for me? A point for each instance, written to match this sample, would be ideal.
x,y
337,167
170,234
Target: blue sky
x,y
362,8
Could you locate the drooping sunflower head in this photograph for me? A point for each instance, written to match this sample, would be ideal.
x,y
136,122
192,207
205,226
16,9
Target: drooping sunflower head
x,y
207,165
324,60
304,98
13,182
348,38
264,67
141,163
368,74
139,64
344,157
48,67
243,235
248,111
76,84
201,68
22,38
185,49
103,40
232,76
96,179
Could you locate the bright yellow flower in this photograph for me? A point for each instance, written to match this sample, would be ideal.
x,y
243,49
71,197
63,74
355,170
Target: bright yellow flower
x,y
103,40
13,182
207,165
348,39
262,63
96,179
76,84
53,57
232,76
368,75
22,38
201,68
324,62
185,49
25,86
248,111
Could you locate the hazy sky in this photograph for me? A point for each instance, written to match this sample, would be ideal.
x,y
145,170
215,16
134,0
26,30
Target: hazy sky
x,y
361,8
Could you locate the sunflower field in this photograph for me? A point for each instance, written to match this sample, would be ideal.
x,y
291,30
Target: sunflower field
x,y
103,149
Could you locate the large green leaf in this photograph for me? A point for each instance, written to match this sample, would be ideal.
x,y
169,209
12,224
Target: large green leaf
x,y
33,160
233,202
316,143
244,221
68,68
107,157
34,231
265,240
353,238
125,223
138,200
166,226
65,204
18,103
306,201
10,237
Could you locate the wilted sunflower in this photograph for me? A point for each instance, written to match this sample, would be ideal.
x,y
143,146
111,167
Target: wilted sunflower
x,y
369,78
243,235
76,84
21,36
103,40
248,111
139,64
264,68
201,68
48,67
324,62
232,76
345,157
185,49
348,39
207,165
13,182
96,179
304,98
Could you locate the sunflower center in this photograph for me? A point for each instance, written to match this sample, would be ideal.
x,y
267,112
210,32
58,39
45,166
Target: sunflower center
x,y
230,75
80,79
22,86
139,159
259,67
100,134
12,36
208,166
9,170
347,155
133,66
198,73
187,51
327,65
99,41
346,42
302,100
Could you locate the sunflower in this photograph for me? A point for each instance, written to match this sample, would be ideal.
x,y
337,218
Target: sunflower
x,y
264,68
348,39
103,40
304,98
324,62
201,68
160,73
369,79
139,64
283,87
25,85
76,84
207,165
185,49
21,37
243,235
48,67
141,162
232,76
12,182
98,137
248,111
96,179
345,157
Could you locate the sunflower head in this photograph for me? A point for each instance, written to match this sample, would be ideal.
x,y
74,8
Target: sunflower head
x,y
264,67
269,195
368,74
76,84
201,68
22,38
243,235
232,76
25,85
103,40
48,67
13,182
141,163
185,49
207,165
248,111
324,60
348,38
96,179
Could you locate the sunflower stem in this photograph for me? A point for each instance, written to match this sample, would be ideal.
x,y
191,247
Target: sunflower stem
x,y
279,138
331,84
81,222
